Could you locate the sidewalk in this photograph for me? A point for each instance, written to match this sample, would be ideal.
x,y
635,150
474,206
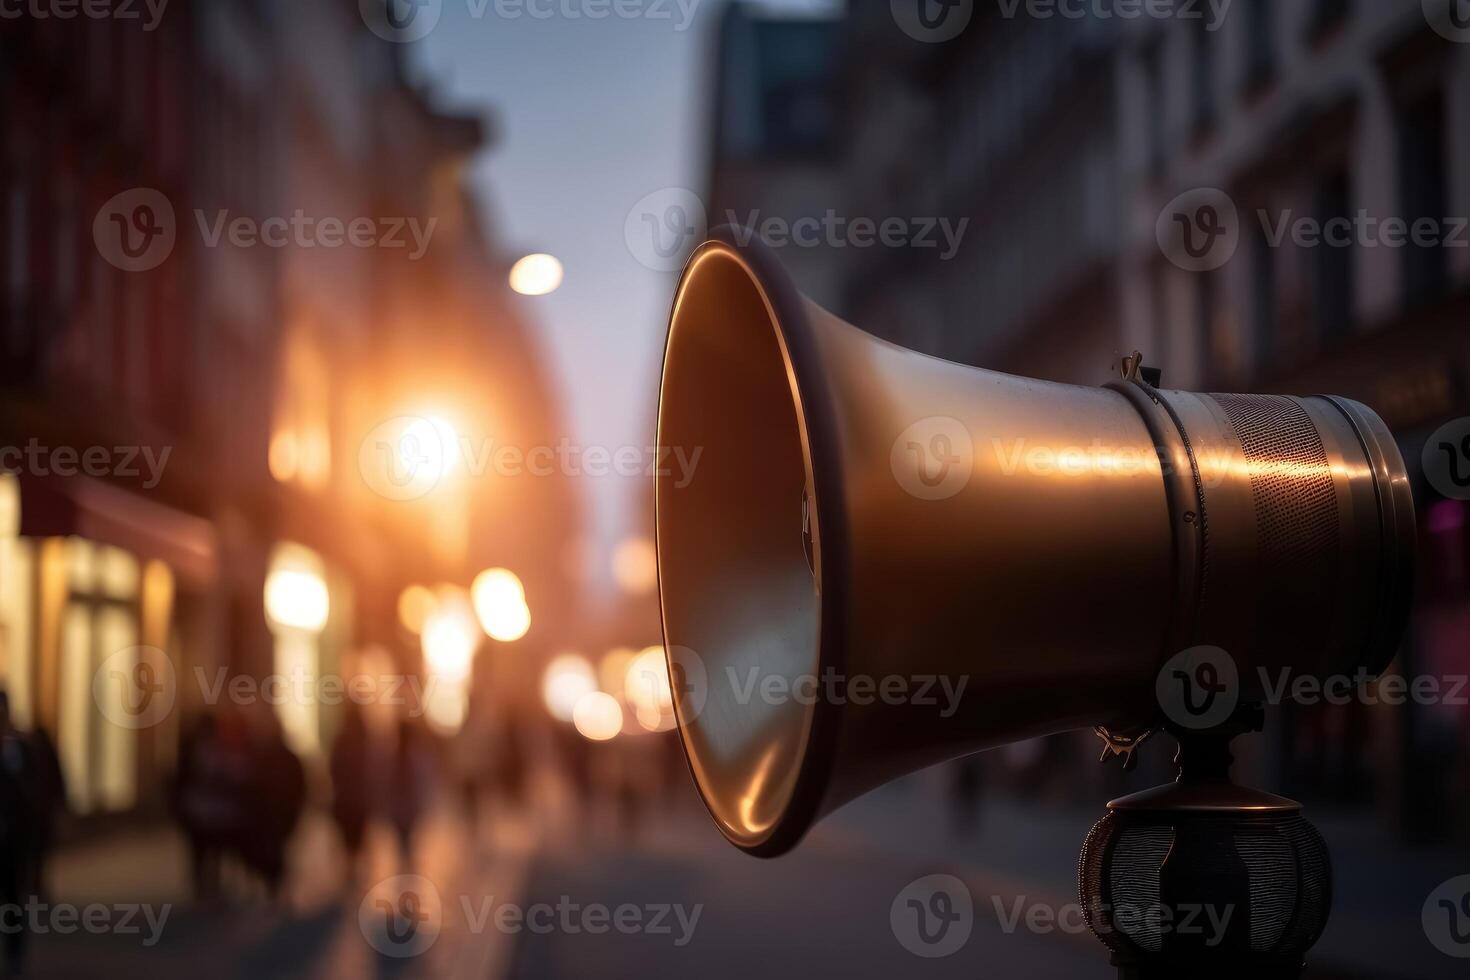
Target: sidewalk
x,y
244,936
1374,933
823,910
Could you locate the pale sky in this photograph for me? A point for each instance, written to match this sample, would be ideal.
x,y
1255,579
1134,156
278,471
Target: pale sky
x,y
592,115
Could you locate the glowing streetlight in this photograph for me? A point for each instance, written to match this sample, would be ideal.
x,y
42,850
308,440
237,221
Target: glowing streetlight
x,y
646,686
568,678
415,605
536,275
598,716
635,566
500,604
449,640
296,594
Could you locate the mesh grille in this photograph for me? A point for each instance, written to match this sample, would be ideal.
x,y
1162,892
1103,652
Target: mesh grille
x,y
1284,859
1296,509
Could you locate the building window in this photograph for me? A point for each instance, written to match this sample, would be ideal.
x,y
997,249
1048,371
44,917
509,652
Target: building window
x,y
98,707
1203,69
1263,300
1153,82
1205,313
1260,63
1326,18
1422,191
1332,259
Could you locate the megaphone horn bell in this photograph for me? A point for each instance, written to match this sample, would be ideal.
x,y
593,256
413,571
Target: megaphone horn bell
x,y
862,511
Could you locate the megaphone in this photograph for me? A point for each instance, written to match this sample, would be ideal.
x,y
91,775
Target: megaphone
x,y
864,513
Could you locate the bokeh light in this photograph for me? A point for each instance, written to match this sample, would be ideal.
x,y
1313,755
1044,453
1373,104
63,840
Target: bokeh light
x,y
415,604
635,566
598,716
536,275
568,678
500,604
646,685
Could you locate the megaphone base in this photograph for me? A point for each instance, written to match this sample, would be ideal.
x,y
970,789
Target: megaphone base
x,y
1203,877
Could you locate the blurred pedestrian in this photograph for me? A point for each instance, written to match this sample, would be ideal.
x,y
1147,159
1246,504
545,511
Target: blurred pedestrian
x,y
277,795
412,783
966,790
510,756
50,801
19,798
209,793
352,796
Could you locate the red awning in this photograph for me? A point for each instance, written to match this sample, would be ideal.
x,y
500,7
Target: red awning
x,y
99,512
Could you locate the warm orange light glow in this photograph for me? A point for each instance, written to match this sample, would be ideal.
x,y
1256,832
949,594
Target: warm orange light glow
x,y
536,275
647,688
567,679
415,605
598,716
284,456
612,671
296,593
500,603
635,566
448,639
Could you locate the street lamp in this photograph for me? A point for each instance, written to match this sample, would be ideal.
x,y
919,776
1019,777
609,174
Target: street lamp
x,y
536,275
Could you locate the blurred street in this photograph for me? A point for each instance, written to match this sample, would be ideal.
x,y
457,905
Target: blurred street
x,y
752,916
386,534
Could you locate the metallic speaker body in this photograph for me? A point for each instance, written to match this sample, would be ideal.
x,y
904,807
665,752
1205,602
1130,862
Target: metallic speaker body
x,y
1086,536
